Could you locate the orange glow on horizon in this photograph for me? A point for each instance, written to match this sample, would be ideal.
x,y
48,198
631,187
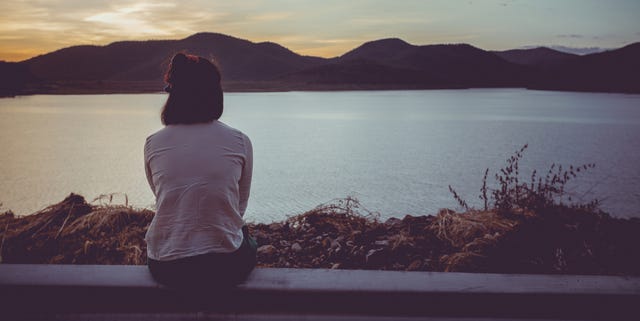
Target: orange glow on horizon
x,y
317,50
18,55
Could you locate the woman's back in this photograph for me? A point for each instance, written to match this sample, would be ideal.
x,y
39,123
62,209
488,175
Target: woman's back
x,y
201,176
200,171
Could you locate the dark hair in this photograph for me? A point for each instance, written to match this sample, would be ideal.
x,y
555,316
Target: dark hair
x,y
195,92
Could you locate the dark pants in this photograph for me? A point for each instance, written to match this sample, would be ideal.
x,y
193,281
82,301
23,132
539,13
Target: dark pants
x,y
208,271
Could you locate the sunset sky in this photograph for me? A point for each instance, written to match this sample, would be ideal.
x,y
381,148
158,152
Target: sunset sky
x,y
321,28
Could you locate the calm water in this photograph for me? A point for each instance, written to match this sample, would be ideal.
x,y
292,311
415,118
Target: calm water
x,y
396,151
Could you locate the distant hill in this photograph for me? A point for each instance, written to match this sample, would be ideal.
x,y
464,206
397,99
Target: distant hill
x,y
15,76
535,56
395,62
609,71
138,66
147,60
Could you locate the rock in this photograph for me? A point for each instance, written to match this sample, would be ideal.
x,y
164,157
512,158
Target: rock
x,y
267,250
335,244
336,266
296,247
87,246
375,257
275,227
382,243
326,242
261,237
393,222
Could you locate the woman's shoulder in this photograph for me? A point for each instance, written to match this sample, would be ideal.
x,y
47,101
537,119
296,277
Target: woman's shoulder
x,y
165,135
229,129
177,132
158,133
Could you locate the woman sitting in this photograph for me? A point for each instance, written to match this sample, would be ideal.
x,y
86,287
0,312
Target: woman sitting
x,y
199,170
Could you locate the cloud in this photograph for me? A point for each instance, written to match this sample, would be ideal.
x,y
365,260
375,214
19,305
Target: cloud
x,y
507,3
572,35
377,21
270,16
33,27
579,36
143,19
132,19
578,50
327,28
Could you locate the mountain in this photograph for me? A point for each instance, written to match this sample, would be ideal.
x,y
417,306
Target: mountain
x,y
396,62
610,71
535,56
147,60
15,76
138,66
384,49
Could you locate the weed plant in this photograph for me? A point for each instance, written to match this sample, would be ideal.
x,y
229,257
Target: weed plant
x,y
538,194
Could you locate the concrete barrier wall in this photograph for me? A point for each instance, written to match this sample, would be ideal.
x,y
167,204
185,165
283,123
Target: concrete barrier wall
x,y
99,289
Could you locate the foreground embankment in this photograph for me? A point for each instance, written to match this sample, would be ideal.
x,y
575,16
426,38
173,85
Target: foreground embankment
x,y
336,235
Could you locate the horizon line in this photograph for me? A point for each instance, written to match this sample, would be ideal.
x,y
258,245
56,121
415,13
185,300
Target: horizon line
x,y
596,49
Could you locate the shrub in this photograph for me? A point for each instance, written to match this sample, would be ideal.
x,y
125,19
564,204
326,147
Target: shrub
x,y
540,193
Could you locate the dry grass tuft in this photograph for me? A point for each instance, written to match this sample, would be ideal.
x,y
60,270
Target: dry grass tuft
x,y
74,231
469,234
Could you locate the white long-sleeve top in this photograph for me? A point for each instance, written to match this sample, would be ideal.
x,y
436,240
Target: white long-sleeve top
x,y
201,177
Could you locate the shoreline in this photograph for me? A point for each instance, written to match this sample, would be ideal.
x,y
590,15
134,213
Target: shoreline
x,y
147,87
337,235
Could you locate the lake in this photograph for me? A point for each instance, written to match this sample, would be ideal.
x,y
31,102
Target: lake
x,y
396,151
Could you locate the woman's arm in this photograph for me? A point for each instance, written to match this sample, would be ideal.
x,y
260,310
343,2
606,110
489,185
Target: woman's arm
x,y
247,171
147,169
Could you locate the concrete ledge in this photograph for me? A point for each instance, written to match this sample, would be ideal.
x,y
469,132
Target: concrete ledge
x,y
130,289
